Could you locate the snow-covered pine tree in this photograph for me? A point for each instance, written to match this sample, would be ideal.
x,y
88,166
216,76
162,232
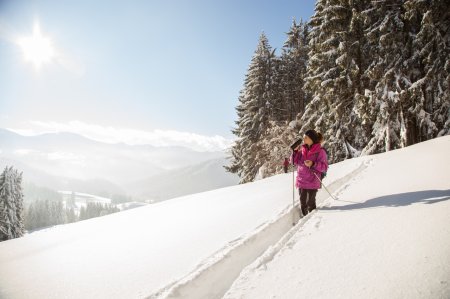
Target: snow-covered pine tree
x,y
355,54
330,79
389,42
292,71
277,108
11,205
350,83
315,111
71,216
30,218
57,213
278,138
288,100
428,97
41,213
83,215
254,110
45,213
18,198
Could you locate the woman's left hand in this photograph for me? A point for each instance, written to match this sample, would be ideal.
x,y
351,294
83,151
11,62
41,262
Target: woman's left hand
x,y
308,163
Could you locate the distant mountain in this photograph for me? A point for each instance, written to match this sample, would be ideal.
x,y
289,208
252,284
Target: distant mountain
x,y
74,156
41,178
197,178
67,161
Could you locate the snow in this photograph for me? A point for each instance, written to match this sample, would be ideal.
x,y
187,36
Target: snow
x,y
81,200
387,236
130,205
85,197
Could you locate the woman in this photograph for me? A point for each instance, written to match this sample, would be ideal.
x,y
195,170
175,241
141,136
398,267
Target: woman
x,y
312,161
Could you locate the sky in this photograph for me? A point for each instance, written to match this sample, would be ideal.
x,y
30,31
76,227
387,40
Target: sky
x,y
379,239
101,68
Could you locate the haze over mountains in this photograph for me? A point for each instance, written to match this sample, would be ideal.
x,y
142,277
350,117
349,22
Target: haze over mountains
x,y
67,161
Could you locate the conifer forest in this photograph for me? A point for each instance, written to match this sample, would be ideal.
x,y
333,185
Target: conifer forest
x,y
371,76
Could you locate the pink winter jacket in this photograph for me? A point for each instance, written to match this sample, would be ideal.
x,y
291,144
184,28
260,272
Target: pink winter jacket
x,y
305,176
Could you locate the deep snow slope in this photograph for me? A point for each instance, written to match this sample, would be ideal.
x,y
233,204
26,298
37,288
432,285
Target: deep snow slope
x,y
387,236
196,246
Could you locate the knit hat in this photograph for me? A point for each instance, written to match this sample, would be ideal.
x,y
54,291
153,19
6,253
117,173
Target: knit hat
x,y
313,135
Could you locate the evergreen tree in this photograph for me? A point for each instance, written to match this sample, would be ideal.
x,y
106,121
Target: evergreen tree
x,y
292,72
254,110
428,97
44,213
355,55
11,205
317,69
386,33
71,216
288,100
83,215
18,198
276,145
30,216
332,71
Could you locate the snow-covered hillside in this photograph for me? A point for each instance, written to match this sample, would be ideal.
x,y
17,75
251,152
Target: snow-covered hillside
x,y
387,236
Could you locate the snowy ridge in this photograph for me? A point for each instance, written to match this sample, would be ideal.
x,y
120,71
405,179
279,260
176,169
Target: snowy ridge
x,y
213,277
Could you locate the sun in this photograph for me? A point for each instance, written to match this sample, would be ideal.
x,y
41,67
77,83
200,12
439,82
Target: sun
x,y
37,49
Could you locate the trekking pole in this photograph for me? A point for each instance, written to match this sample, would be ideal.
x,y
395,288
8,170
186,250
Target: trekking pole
x,y
293,190
323,185
294,146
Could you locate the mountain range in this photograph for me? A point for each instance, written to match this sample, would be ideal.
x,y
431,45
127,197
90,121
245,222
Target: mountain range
x,y
67,161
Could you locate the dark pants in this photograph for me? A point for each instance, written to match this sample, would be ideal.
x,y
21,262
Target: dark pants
x,y
307,200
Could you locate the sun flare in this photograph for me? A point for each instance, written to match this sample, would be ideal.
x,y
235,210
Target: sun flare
x,y
37,48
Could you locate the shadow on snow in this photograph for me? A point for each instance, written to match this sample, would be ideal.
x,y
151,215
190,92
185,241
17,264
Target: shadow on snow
x,y
396,200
